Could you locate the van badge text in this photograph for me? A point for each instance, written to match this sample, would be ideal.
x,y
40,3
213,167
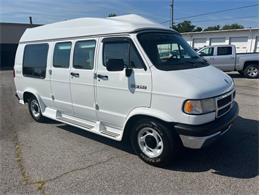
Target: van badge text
x,y
138,86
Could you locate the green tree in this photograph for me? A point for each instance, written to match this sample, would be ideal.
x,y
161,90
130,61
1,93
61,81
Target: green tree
x,y
232,26
185,26
112,15
211,28
197,29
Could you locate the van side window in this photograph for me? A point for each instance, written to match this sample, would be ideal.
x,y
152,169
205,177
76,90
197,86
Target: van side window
x,y
84,52
61,56
35,60
122,50
224,51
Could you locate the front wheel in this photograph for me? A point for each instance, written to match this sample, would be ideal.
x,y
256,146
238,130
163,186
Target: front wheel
x,y
153,142
35,110
251,71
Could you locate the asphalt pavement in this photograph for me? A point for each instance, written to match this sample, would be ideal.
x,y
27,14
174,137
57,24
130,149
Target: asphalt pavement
x,y
54,158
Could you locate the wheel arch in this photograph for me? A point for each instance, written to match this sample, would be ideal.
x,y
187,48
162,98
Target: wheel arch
x,y
140,113
246,63
28,93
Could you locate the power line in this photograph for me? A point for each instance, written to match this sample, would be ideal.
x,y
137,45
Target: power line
x,y
225,19
214,12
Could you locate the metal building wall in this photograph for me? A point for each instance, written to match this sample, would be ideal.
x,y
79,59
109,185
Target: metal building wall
x,y
10,34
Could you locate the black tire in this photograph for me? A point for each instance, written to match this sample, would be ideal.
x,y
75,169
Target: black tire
x,y
33,105
251,71
171,142
241,72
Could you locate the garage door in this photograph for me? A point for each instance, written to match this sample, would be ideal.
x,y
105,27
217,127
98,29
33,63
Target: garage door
x,y
240,43
199,43
257,44
217,41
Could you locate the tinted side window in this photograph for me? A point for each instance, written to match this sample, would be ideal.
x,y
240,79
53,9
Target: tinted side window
x,y
35,60
122,50
84,55
224,51
207,51
61,56
116,50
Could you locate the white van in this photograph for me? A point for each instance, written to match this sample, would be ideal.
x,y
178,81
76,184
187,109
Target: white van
x,y
124,76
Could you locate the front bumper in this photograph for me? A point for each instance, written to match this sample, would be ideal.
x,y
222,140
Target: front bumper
x,y
197,136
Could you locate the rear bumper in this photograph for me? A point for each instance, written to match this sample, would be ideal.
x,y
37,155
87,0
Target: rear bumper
x,y
198,136
19,99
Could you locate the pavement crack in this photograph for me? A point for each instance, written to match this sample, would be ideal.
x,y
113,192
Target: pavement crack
x,y
26,179
78,169
41,184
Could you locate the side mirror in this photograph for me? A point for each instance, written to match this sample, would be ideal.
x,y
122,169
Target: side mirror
x,y
201,54
115,65
128,72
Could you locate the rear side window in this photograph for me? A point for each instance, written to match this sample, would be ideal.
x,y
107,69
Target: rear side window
x,y
224,51
61,56
122,50
35,60
84,55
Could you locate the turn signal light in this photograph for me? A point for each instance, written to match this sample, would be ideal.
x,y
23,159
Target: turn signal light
x,y
188,107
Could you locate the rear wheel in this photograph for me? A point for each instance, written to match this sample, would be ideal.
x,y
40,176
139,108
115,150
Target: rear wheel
x,y
251,71
153,142
35,110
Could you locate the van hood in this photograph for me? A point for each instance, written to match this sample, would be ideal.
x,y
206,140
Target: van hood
x,y
196,83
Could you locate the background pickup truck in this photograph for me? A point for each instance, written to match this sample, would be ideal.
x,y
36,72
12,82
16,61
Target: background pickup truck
x,y
225,58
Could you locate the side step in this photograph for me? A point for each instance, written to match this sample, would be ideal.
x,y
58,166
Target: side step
x,y
72,120
97,127
109,133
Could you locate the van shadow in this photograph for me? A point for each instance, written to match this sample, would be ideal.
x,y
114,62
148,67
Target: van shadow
x,y
234,155
124,145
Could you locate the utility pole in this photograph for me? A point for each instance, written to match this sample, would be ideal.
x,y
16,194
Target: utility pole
x,y
30,18
172,16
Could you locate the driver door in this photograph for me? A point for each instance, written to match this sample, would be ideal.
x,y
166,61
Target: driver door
x,y
117,94
208,54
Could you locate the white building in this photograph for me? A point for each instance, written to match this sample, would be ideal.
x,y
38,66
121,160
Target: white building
x,y
245,40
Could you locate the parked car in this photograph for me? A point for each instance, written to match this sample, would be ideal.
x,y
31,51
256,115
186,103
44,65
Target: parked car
x,y
134,79
225,58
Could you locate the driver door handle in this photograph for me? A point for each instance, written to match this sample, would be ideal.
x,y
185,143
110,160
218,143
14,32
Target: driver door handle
x,y
74,74
103,77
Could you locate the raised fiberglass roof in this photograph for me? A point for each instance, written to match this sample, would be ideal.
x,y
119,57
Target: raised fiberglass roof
x,y
89,26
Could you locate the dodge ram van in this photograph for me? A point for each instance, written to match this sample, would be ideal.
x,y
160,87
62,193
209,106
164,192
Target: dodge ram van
x,y
124,77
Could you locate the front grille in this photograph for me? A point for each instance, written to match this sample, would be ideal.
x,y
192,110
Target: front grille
x,y
224,103
224,110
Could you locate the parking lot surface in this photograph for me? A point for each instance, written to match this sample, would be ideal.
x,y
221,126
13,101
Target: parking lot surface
x,y
54,158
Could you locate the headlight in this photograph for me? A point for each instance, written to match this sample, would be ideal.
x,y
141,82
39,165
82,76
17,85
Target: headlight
x,y
199,106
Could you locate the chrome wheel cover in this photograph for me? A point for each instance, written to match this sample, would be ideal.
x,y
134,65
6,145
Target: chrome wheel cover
x,y
35,108
150,142
252,71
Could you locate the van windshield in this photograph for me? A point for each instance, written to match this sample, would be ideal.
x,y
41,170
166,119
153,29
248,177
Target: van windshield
x,y
169,51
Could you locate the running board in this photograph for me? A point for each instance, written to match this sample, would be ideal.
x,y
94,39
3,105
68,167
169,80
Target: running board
x,y
97,127
73,120
109,133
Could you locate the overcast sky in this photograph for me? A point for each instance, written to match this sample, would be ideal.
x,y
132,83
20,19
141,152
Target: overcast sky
x,y
48,11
